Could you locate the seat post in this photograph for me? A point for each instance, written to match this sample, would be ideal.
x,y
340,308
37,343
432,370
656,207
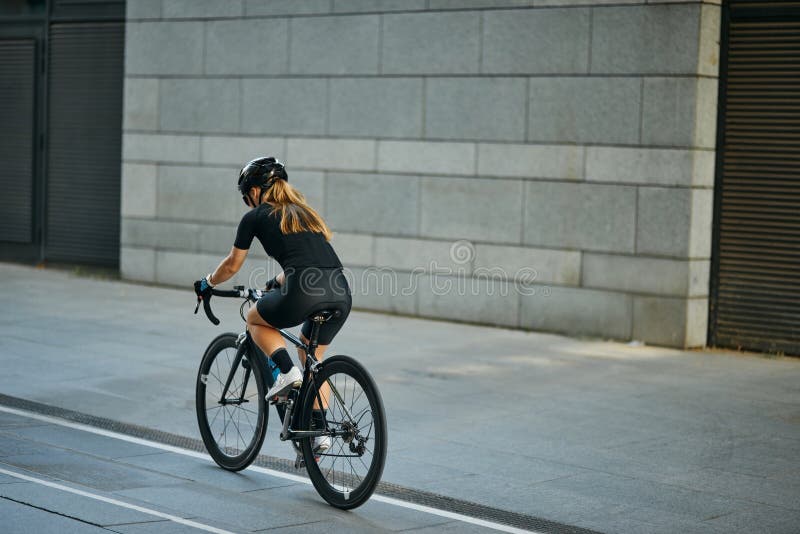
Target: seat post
x,y
312,342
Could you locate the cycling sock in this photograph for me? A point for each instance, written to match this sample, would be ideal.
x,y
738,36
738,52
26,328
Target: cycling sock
x,y
282,359
318,419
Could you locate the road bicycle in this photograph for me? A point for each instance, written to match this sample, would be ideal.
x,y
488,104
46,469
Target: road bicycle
x,y
232,410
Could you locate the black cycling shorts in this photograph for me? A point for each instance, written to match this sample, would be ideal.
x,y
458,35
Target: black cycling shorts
x,y
304,292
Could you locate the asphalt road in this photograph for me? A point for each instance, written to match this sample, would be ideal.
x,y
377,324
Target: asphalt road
x,y
587,433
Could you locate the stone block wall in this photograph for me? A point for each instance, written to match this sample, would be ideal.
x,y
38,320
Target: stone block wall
x,y
540,164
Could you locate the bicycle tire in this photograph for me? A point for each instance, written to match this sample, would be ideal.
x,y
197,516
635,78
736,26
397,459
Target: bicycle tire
x,y
223,454
345,497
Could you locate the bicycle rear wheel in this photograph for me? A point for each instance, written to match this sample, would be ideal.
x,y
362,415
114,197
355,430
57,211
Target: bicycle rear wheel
x,y
347,473
232,426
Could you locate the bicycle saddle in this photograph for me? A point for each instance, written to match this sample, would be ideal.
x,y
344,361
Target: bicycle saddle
x,y
325,315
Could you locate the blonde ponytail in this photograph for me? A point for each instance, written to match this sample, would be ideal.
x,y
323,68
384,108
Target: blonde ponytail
x,y
295,214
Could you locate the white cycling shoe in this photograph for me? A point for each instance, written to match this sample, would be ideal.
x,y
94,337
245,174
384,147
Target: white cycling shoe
x,y
322,443
285,382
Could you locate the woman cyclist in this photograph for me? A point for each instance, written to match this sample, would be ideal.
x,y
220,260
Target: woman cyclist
x,y
295,235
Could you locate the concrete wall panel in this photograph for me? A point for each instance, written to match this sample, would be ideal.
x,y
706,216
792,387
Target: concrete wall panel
x,y
580,216
431,43
584,110
284,106
247,47
646,39
471,208
475,108
205,105
334,45
376,107
540,41
372,203
164,47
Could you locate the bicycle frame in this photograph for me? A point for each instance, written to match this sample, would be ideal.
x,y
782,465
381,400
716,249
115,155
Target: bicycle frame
x,y
310,369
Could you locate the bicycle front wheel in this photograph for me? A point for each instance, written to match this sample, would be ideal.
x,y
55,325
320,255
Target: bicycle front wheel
x,y
346,474
232,420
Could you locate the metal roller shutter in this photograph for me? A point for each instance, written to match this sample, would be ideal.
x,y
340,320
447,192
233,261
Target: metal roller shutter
x,y
84,144
17,92
756,282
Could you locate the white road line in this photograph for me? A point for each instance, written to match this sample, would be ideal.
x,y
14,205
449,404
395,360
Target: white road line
x,y
109,500
287,476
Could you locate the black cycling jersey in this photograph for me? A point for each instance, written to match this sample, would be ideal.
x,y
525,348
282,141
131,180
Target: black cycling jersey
x,y
291,251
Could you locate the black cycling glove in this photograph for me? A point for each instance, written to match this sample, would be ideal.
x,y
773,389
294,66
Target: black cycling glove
x,y
272,284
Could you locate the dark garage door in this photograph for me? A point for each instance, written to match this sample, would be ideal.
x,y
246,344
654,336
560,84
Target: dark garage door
x,y
84,142
755,290
17,86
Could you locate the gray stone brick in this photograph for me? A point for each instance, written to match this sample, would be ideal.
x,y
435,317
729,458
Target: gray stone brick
x,y
530,161
181,268
668,111
238,150
696,323
476,300
471,208
660,320
475,108
702,221
434,157
663,222
286,7
284,106
353,249
550,3
538,41
180,236
527,264
656,276
584,110
141,104
205,105
331,154
704,168
708,56
334,45
706,120
584,216
383,289
202,8
247,47
137,264
138,190
649,166
646,39
383,204
389,107
164,47
426,255
161,147
184,193
576,311
468,4
142,9
431,43
377,6
699,273
312,185
674,222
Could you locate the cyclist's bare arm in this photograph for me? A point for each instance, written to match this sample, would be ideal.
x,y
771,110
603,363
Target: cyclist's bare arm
x,y
229,266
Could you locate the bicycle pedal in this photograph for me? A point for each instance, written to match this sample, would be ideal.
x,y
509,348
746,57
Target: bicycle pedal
x,y
299,462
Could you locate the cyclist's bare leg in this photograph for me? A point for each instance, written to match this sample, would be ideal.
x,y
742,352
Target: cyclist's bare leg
x,y
324,390
266,336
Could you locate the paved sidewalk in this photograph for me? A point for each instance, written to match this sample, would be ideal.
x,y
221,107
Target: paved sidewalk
x,y
596,434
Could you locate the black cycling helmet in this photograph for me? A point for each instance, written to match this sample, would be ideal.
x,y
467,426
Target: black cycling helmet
x,y
261,172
